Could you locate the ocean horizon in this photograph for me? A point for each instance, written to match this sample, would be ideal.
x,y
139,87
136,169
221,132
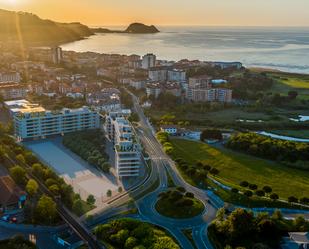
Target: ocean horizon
x,y
280,48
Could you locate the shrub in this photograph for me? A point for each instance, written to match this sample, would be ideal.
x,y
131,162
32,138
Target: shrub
x,y
253,186
292,199
244,184
189,195
304,200
248,193
274,196
181,189
267,189
234,190
260,193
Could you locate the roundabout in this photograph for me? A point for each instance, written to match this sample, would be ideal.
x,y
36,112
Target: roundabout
x,y
178,204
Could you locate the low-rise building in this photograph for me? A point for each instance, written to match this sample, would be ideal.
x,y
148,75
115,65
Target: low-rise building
x,y
32,121
153,89
7,77
170,129
202,81
107,100
12,91
11,196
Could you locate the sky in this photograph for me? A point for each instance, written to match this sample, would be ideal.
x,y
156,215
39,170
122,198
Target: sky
x,y
169,12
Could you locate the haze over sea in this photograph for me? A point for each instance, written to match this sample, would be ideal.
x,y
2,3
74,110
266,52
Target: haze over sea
x,y
286,49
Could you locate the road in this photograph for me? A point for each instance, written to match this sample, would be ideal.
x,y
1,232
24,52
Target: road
x,y
164,164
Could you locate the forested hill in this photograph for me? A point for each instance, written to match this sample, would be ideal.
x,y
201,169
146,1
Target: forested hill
x,y
17,26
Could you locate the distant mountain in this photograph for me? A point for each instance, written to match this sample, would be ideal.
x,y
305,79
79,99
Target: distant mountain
x,y
30,29
134,28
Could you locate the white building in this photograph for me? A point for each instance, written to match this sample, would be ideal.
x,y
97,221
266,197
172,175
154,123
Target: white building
x,y
176,75
32,121
148,61
158,74
56,54
9,77
12,91
127,149
153,89
170,129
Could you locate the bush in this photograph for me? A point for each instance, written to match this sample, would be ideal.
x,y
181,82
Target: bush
x,y
304,200
235,190
248,193
253,186
260,193
292,199
244,184
189,195
274,196
181,189
267,189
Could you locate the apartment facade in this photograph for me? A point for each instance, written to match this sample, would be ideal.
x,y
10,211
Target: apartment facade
x,y
209,94
9,77
12,91
127,149
32,121
148,61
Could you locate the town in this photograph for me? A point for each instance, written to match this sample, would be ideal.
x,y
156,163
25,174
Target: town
x,y
81,142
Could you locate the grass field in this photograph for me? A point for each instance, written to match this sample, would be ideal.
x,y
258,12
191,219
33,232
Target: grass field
x,y
293,133
285,82
236,167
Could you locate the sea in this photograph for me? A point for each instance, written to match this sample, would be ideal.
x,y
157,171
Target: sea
x,y
285,49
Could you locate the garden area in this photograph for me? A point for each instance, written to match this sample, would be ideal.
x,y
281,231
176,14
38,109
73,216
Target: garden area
x,y
179,204
129,233
17,242
90,146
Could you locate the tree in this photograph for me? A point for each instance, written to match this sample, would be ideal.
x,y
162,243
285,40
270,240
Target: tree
x,y
235,190
130,243
260,193
248,193
106,167
211,134
274,196
292,199
32,187
46,210
214,171
189,195
20,158
109,193
38,170
120,189
18,174
78,207
244,184
253,186
292,94
91,200
267,189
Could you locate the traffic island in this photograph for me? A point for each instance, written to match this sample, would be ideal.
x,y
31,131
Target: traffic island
x,y
178,204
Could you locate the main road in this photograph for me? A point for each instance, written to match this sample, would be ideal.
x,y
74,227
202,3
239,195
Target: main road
x,y
164,164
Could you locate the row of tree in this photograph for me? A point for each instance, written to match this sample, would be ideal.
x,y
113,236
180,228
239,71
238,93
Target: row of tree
x,y
89,145
243,229
292,153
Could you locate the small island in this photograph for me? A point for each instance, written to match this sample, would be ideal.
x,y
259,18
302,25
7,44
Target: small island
x,y
134,28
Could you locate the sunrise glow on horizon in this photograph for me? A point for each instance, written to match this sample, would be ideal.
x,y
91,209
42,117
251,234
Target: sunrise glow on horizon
x,y
172,12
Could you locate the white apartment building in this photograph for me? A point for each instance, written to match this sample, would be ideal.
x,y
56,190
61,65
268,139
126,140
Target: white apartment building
x,y
158,74
209,94
148,61
32,121
153,89
127,149
9,77
56,55
176,75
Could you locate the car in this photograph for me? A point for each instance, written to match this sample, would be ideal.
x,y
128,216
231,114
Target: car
x,y
13,219
5,218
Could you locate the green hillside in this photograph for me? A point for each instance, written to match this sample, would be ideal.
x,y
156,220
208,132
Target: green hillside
x,y
29,28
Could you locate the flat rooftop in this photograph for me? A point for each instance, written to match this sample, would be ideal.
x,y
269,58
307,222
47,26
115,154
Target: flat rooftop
x,y
23,106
